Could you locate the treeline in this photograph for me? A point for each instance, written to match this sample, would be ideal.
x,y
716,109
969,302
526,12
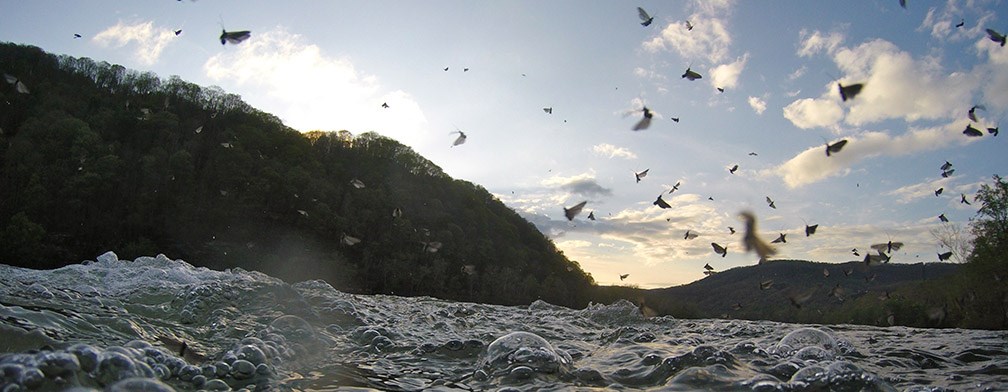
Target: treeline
x,y
936,294
97,157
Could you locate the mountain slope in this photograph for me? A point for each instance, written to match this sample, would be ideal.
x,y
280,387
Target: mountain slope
x,y
97,157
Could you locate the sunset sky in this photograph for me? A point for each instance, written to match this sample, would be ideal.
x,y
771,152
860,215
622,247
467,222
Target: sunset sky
x,y
329,65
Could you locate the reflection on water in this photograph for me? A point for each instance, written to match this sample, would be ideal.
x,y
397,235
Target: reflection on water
x,y
162,324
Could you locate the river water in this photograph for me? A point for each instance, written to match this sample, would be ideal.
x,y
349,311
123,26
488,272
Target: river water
x,y
160,324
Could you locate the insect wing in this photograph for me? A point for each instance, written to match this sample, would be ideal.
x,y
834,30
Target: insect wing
x,y
848,92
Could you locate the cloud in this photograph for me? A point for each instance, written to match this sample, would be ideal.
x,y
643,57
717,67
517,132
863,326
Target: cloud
x,y
898,86
726,75
758,105
583,184
909,193
812,165
309,89
572,244
941,22
816,42
148,41
708,40
798,73
994,74
611,151
808,113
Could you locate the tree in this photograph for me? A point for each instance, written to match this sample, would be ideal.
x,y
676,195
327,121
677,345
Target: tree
x,y
951,236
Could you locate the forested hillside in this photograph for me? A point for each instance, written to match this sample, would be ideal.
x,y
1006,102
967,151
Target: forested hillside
x,y
97,157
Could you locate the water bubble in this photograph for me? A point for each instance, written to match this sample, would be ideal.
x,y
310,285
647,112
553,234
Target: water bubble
x,y
107,257
216,385
294,329
806,337
37,290
31,378
188,372
524,349
222,369
139,384
242,369
521,373
115,366
250,353
813,353
59,364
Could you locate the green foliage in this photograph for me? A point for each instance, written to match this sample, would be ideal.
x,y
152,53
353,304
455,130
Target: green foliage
x,y
99,157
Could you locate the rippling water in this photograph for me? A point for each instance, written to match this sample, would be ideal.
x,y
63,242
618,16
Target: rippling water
x,y
163,324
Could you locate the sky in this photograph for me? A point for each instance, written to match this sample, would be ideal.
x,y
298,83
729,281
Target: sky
x,y
329,65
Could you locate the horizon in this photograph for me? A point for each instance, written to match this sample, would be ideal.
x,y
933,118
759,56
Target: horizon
x,y
595,66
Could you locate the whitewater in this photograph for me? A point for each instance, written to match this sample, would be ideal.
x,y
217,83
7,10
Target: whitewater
x,y
159,324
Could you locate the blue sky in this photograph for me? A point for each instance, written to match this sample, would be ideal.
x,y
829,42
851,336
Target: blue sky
x,y
330,65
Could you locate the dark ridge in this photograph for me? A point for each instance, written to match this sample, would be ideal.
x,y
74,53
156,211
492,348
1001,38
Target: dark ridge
x,y
99,157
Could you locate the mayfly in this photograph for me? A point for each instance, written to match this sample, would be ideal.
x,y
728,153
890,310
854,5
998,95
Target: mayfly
x,y
972,132
848,92
691,75
996,36
350,241
751,241
460,139
570,213
971,113
644,122
810,229
835,147
641,175
17,83
234,37
675,187
644,17
723,251
661,203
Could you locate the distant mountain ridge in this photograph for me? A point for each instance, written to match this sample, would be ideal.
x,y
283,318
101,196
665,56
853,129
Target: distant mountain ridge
x,y
798,291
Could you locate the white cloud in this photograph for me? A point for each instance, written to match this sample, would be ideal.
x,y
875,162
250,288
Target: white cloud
x,y
808,113
798,73
611,151
813,165
583,184
758,105
918,191
148,41
994,74
941,23
726,75
311,90
816,42
898,86
572,244
708,40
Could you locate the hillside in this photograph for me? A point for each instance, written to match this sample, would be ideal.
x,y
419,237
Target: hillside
x,y
97,157
852,293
